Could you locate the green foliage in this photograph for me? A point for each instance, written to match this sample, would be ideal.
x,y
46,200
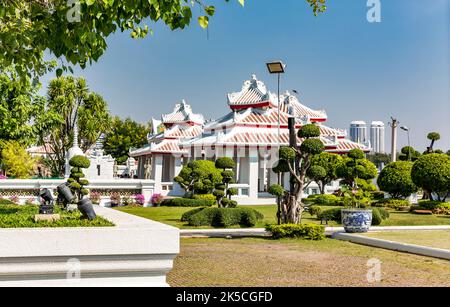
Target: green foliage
x,y
329,163
80,162
392,203
125,134
395,179
225,163
314,210
69,101
202,171
16,161
309,131
379,159
312,146
304,231
223,217
187,215
84,38
286,153
232,191
281,167
77,183
19,216
219,194
434,136
376,217
187,202
436,207
276,190
333,214
408,153
209,197
316,173
432,173
365,185
356,154
324,200
19,104
350,169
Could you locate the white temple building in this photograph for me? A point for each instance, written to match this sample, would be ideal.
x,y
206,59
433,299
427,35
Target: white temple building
x,y
249,134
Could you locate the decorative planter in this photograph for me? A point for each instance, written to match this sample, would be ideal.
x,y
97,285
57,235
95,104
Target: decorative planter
x,y
86,208
356,220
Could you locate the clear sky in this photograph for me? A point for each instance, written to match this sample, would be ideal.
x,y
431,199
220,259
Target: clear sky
x,y
338,61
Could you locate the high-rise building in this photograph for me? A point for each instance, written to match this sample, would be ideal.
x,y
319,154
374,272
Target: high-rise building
x,y
358,131
377,136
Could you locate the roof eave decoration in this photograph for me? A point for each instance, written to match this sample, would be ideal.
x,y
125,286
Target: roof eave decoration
x,y
253,94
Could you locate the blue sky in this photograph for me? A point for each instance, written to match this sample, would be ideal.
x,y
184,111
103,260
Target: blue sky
x,y
339,62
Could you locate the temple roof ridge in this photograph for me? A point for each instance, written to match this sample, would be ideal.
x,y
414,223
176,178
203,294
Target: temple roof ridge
x,y
182,113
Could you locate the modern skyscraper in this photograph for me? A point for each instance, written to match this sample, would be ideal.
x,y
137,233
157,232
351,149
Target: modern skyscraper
x,y
358,131
377,137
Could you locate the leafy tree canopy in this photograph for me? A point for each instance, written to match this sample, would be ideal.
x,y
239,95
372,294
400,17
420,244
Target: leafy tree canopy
x,y
395,179
432,173
125,134
76,30
200,176
69,101
16,161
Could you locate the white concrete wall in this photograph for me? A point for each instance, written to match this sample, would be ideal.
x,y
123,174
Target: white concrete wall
x,y
135,252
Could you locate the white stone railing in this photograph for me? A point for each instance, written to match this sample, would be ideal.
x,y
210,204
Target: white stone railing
x,y
20,187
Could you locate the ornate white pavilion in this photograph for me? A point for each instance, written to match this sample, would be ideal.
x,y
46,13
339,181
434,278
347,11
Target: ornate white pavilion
x,y
249,134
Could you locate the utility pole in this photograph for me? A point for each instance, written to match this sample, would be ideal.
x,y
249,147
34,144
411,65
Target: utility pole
x,y
394,124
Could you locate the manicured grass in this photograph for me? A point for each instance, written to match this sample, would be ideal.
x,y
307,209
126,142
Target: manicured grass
x,y
15,216
293,262
172,215
431,238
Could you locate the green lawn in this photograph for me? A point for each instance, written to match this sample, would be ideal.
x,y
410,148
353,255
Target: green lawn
x,y
16,216
172,215
431,238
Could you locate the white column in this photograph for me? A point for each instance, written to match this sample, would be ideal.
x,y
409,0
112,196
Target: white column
x,y
177,190
157,172
253,173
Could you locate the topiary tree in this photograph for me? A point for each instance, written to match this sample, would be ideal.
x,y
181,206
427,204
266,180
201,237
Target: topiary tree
x,y
323,169
433,137
226,165
356,166
77,182
296,161
200,176
408,153
396,180
432,173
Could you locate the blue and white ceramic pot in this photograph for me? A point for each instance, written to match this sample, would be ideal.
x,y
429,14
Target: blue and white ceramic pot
x,y
356,220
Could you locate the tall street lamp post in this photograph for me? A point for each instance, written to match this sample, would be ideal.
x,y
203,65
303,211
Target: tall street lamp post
x,y
277,67
404,128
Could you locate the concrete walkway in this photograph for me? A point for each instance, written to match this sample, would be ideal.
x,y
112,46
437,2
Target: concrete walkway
x,y
261,232
393,245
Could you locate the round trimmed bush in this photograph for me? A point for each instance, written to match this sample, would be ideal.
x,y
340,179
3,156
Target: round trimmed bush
x,y
276,190
286,153
225,163
432,173
312,146
376,217
396,180
80,161
309,131
356,154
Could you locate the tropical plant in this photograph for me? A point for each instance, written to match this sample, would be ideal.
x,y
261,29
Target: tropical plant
x,y
296,161
408,153
69,102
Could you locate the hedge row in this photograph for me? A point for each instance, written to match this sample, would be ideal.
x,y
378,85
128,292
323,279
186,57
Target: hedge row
x,y
187,202
305,231
222,217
